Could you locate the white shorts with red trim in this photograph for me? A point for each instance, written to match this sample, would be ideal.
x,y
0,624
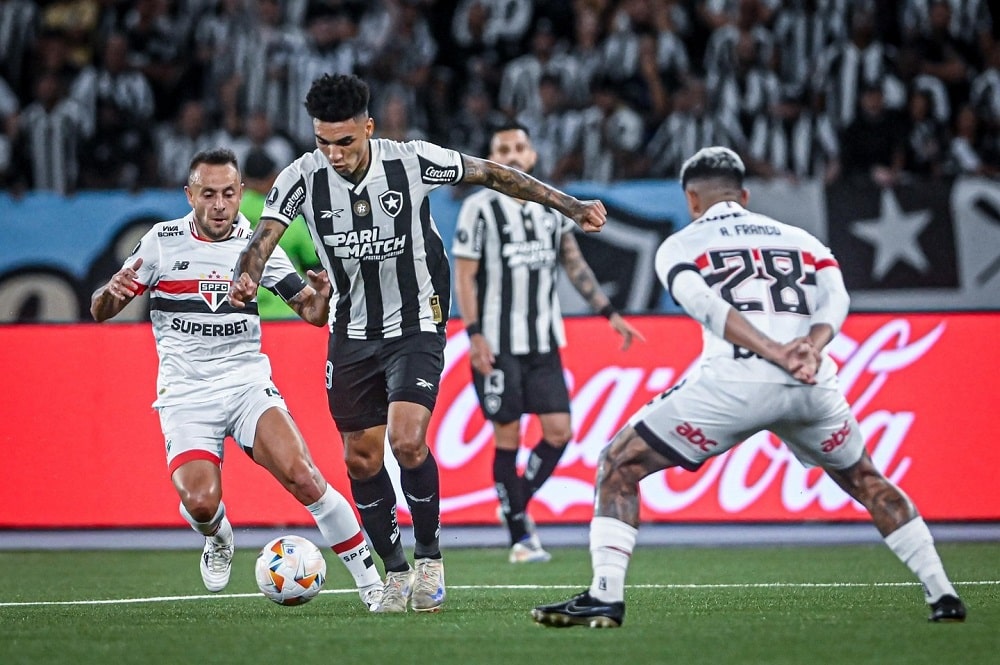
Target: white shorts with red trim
x,y
197,431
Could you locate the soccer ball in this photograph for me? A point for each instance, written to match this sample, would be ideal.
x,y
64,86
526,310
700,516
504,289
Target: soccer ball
x,y
290,570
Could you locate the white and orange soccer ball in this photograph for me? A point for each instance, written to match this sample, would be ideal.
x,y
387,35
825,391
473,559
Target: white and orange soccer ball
x,y
290,570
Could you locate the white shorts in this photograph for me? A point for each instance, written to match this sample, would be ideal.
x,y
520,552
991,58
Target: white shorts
x,y
197,431
704,416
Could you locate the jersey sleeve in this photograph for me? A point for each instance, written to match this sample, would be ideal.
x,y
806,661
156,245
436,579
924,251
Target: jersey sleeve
x,y
147,249
469,229
280,276
438,166
680,275
287,195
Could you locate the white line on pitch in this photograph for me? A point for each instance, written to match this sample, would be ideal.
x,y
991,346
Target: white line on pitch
x,y
508,587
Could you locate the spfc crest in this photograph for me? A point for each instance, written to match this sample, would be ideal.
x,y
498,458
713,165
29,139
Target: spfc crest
x,y
391,202
214,291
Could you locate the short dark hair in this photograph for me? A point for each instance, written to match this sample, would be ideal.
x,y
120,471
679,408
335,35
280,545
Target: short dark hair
x,y
509,126
714,162
216,156
337,97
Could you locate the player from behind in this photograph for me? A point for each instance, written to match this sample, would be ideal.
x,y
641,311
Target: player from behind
x,y
214,381
769,297
366,203
507,255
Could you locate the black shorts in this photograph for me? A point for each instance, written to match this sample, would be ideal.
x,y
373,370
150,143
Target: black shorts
x,y
363,376
532,383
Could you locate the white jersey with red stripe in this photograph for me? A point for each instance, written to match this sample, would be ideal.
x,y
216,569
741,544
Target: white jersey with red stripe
x,y
206,347
762,267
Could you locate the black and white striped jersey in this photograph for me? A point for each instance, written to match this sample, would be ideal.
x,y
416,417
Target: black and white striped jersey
x,y
376,238
517,246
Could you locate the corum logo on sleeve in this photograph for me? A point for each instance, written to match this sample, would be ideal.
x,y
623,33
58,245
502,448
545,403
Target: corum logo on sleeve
x,y
435,174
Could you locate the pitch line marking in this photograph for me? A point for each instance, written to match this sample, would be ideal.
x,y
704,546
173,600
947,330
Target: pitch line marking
x,y
507,587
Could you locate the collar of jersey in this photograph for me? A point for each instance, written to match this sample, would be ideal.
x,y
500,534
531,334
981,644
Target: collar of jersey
x,y
727,209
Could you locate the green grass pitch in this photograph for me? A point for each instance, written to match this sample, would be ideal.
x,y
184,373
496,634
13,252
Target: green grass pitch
x,y
797,605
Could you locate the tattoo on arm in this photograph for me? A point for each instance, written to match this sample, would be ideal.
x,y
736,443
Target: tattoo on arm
x,y
515,183
256,253
579,272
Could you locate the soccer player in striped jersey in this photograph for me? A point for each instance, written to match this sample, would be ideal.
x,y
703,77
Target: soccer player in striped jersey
x,y
769,297
213,379
365,203
507,253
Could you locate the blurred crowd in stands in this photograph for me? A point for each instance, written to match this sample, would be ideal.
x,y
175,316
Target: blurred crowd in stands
x,y
114,94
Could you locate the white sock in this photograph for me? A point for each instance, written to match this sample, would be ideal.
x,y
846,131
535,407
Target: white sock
x,y
218,528
339,525
611,545
914,546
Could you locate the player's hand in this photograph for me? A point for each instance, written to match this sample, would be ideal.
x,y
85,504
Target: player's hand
x,y
801,359
480,354
123,283
242,291
320,281
625,329
591,216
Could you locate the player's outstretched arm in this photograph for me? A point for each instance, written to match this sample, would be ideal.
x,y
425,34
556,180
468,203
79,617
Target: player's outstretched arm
x,y
107,301
250,263
313,302
589,215
582,277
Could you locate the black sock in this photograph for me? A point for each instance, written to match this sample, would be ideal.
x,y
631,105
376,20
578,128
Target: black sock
x,y
375,499
421,489
541,463
510,491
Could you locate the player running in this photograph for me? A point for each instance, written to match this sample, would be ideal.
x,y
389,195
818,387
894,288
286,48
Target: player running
x,y
214,381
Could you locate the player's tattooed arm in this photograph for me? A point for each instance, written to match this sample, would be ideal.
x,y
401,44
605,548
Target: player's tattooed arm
x,y
250,264
589,215
580,275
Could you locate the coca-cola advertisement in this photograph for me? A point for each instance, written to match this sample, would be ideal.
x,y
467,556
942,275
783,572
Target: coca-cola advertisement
x,y
82,445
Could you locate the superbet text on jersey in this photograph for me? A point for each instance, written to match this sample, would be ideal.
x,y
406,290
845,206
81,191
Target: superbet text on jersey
x,y
206,347
388,269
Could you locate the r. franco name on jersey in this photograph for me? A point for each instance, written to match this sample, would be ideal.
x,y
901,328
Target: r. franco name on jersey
x,y
210,329
752,230
365,245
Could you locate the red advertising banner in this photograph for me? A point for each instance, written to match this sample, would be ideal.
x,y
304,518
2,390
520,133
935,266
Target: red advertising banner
x,y
82,447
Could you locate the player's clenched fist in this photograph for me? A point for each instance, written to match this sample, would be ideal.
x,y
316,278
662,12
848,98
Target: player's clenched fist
x,y
591,216
242,291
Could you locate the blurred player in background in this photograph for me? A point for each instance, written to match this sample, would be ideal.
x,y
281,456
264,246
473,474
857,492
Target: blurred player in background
x,y
214,381
770,297
367,201
507,254
259,172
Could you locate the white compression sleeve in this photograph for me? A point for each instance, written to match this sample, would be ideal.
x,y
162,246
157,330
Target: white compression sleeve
x,y
700,301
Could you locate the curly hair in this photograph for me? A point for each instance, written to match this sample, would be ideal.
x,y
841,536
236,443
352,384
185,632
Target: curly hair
x,y
337,97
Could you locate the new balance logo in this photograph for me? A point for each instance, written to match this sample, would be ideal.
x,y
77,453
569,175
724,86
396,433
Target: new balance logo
x,y
181,265
424,383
